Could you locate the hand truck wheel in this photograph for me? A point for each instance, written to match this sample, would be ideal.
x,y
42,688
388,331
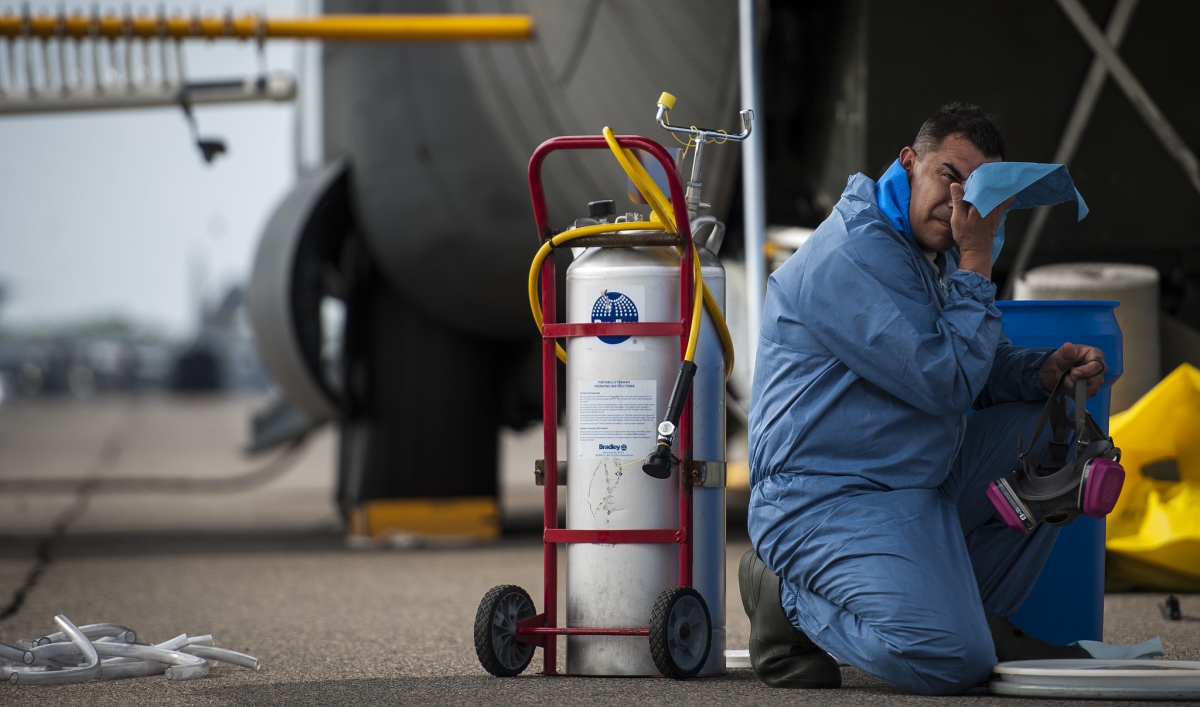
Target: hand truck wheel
x,y
496,630
680,632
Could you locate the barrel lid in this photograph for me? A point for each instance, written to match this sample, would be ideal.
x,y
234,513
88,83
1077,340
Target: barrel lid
x,y
1105,276
1035,303
1098,679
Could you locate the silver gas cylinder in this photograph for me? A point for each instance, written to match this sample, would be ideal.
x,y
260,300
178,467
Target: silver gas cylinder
x,y
617,392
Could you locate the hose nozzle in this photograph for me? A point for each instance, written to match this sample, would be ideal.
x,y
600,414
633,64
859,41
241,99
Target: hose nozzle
x,y
658,462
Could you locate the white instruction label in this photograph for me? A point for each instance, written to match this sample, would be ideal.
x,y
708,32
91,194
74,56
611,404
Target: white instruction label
x,y
616,418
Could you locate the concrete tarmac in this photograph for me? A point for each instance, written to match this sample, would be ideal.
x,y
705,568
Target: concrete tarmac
x,y
337,626
196,439
264,569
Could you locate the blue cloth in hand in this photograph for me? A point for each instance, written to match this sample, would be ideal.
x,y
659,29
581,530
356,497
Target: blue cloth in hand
x,y
1033,183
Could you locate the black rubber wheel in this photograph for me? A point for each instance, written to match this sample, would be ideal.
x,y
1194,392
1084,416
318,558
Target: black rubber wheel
x,y
496,631
680,633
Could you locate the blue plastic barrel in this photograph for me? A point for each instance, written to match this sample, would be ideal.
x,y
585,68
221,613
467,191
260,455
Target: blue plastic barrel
x,y
1067,603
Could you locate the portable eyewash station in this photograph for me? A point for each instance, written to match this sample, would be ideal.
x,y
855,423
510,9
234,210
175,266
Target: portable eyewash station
x,y
645,461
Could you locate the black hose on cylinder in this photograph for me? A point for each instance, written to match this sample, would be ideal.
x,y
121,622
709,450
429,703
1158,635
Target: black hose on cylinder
x,y
658,461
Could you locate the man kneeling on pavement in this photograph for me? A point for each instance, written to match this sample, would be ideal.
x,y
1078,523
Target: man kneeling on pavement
x,y
873,538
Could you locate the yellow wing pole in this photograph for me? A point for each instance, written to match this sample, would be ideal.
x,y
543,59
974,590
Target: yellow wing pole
x,y
382,28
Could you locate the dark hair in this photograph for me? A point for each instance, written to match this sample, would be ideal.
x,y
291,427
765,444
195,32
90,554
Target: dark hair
x,y
960,118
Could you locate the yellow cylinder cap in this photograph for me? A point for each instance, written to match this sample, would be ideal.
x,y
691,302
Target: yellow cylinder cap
x,y
666,100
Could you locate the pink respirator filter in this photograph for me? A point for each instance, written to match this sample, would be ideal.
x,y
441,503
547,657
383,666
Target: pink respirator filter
x,y
1012,516
1102,480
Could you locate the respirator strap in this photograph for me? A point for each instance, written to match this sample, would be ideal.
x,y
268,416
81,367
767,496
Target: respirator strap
x,y
1081,413
1083,419
1054,412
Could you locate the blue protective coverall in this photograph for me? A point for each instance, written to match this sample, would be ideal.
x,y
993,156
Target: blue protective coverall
x,y
867,475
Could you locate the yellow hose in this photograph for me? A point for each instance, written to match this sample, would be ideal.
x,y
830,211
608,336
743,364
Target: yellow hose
x,y
661,206
642,180
535,268
714,311
694,333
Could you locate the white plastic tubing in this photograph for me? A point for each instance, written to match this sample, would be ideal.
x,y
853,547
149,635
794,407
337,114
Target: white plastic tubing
x,y
110,652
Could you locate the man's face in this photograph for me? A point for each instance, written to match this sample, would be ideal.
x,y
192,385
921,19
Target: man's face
x,y
929,178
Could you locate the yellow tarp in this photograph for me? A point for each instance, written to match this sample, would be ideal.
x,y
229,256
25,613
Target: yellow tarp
x,y
1157,520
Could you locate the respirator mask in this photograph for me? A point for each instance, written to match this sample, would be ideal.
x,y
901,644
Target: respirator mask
x,y
1056,490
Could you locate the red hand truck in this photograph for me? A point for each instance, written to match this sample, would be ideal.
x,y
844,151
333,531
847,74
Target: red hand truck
x,y
506,628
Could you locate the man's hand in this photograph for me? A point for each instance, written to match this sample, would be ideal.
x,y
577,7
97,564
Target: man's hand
x,y
1082,361
974,233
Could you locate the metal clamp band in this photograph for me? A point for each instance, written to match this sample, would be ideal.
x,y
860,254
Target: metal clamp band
x,y
707,474
539,472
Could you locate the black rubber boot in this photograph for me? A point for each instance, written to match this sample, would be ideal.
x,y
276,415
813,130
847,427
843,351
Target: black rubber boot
x,y
781,655
1012,643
